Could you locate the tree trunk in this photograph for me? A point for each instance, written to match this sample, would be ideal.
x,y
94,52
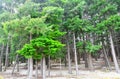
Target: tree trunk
x,y
78,58
90,62
43,68
16,62
75,53
1,58
114,54
65,60
86,59
36,75
6,56
17,65
49,64
60,66
84,50
106,57
31,68
89,37
28,67
30,64
69,59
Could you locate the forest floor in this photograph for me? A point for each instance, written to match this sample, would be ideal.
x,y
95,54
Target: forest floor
x,y
63,74
100,72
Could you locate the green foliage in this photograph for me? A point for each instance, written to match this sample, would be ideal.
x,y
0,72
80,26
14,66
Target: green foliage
x,y
40,47
109,9
5,16
112,23
80,44
36,25
79,25
54,34
90,48
31,25
45,20
29,9
54,14
27,51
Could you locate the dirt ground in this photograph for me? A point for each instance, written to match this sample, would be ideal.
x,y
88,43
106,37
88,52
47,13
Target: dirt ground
x,y
63,74
100,72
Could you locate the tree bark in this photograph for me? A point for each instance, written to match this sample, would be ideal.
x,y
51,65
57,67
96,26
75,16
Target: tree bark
x,y
16,62
43,68
1,58
6,56
60,66
90,37
36,75
78,58
86,59
69,59
31,68
65,60
90,62
17,65
114,54
49,64
30,64
75,53
106,57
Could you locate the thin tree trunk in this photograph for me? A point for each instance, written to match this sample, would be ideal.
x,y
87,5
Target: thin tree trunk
x,y
31,68
106,57
16,62
1,58
117,52
86,59
14,68
75,53
65,60
17,65
36,75
49,66
114,54
43,68
69,59
60,66
85,53
28,67
30,64
78,58
6,57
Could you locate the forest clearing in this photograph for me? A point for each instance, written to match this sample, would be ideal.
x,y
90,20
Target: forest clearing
x,y
59,39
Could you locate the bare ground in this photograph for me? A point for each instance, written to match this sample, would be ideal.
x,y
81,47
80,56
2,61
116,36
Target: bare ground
x,y
100,72
63,74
